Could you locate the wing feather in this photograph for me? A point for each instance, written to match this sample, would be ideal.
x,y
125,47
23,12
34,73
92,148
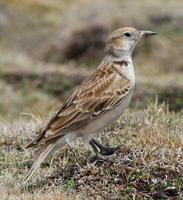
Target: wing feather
x,y
100,92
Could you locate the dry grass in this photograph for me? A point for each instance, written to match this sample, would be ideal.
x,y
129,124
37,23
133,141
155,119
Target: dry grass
x,y
36,37
149,166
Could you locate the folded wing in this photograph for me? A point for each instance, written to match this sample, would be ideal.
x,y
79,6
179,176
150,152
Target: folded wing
x,y
100,92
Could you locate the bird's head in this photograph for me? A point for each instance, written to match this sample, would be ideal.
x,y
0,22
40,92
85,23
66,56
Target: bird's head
x,y
123,40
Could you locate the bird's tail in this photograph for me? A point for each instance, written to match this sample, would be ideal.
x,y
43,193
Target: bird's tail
x,y
43,154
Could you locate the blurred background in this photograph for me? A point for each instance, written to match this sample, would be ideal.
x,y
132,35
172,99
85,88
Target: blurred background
x,y
47,47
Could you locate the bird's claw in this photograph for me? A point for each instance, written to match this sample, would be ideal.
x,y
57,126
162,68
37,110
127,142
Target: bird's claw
x,y
103,151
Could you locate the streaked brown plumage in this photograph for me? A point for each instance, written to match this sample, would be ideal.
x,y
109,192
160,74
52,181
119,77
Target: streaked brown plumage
x,y
100,99
97,94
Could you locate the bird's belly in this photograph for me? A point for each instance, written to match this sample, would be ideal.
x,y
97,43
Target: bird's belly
x,y
107,118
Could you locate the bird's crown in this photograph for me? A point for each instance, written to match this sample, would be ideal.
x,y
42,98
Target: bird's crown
x,y
120,31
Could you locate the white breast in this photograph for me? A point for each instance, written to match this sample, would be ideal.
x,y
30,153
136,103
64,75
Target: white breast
x,y
128,71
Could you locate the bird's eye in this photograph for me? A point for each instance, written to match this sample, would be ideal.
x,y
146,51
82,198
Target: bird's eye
x,y
127,34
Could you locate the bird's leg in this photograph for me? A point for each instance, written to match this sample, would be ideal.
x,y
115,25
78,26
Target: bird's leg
x,y
102,150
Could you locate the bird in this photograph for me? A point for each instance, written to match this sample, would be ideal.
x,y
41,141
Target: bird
x,y
98,102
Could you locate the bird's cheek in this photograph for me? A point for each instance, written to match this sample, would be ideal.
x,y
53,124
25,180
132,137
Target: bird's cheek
x,y
118,43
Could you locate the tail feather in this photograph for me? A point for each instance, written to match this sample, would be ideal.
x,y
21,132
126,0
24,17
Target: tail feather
x,y
36,140
43,154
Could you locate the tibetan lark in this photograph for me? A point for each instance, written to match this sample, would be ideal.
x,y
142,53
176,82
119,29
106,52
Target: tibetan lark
x,y
100,99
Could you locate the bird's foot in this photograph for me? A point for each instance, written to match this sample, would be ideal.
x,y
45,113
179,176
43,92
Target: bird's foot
x,y
102,151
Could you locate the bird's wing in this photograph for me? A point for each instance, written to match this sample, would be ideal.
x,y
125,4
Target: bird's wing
x,y
100,92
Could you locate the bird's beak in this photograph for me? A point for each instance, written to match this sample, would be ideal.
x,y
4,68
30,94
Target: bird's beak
x,y
144,34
